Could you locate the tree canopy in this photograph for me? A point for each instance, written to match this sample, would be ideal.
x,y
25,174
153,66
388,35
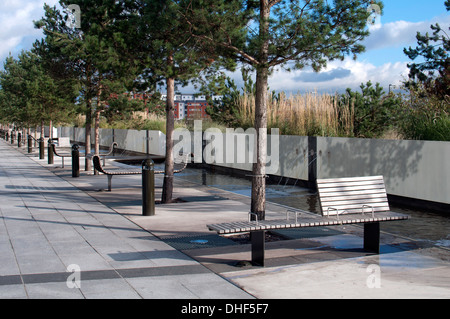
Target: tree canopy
x,y
91,52
433,67
32,94
289,34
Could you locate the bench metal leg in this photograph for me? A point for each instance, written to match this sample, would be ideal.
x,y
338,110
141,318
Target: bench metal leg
x,y
258,243
372,237
109,182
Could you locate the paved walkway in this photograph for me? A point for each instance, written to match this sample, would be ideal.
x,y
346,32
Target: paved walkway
x,y
50,221
48,225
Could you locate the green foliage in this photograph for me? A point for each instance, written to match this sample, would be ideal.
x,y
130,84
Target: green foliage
x,y
226,110
94,53
425,116
32,94
426,113
433,49
374,112
274,33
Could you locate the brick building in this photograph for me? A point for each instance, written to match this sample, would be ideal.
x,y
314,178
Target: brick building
x,y
186,105
190,106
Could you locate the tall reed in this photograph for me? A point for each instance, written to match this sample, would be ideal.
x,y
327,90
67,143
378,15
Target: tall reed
x,y
307,114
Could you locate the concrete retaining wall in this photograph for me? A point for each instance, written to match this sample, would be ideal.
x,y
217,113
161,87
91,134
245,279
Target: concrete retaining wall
x,y
288,156
415,169
131,140
412,169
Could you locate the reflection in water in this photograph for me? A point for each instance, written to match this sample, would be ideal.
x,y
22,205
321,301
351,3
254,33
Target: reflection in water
x,y
423,225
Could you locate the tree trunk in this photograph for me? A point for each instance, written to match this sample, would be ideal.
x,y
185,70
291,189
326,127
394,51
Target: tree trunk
x,y
87,138
97,122
170,124
96,135
258,200
50,129
42,129
97,132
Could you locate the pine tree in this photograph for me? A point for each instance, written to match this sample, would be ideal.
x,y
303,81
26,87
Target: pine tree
x,y
35,95
168,52
271,33
434,71
91,52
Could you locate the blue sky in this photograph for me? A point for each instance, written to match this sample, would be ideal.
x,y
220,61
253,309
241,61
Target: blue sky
x,y
383,62
413,11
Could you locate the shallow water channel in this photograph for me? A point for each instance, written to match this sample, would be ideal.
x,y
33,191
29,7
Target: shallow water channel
x,y
427,226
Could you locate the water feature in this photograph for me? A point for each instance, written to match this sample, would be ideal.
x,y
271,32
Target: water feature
x,y
427,226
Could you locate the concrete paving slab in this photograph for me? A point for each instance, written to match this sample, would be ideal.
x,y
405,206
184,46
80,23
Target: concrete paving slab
x,y
13,291
108,289
48,224
154,256
355,278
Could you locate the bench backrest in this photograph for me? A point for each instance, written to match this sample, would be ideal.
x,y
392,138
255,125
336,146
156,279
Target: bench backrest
x,y
348,195
57,154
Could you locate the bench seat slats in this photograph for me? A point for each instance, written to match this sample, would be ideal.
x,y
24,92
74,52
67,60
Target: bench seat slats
x,y
121,172
239,227
349,179
358,207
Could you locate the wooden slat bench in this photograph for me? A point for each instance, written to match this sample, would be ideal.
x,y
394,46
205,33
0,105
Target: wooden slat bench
x,y
180,164
358,200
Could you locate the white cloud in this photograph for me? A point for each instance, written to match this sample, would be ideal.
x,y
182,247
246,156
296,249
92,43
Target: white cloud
x,y
400,33
17,31
384,40
338,76
16,20
8,44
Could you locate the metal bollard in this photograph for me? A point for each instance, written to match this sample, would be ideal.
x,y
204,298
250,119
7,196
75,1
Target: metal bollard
x,y
75,160
30,144
50,151
148,187
41,148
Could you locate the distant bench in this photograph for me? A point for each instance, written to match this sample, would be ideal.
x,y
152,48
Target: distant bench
x,y
62,155
355,200
103,155
180,164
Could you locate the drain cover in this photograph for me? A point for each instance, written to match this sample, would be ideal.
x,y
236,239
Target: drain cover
x,y
202,198
199,241
193,242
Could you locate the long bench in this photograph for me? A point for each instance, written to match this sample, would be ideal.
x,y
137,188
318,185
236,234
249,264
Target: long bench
x,y
181,162
62,155
104,155
355,200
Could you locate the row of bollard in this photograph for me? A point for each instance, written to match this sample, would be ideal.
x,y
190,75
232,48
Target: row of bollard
x,y
148,171
148,180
